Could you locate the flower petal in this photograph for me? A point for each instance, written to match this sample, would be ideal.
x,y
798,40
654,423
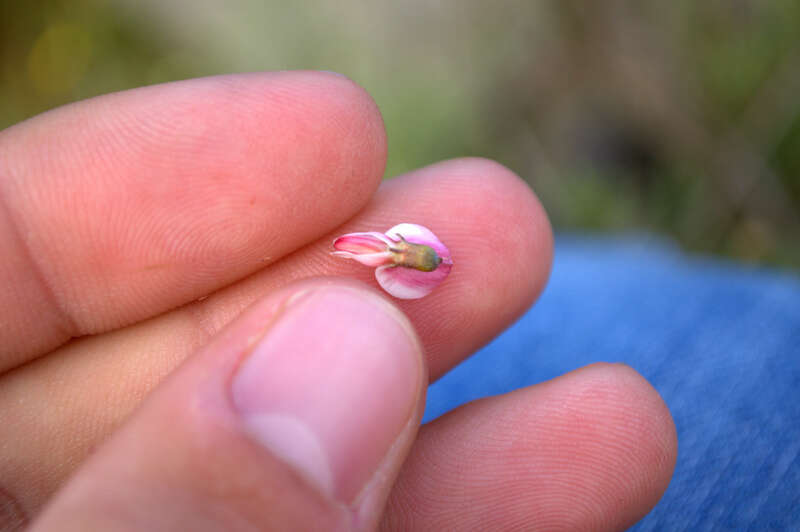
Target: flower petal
x,y
418,234
402,268
371,242
368,259
408,283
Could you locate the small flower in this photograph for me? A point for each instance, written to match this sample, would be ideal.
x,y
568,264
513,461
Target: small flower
x,y
410,260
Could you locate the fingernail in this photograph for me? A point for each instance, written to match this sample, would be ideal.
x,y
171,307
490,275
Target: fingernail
x,y
330,386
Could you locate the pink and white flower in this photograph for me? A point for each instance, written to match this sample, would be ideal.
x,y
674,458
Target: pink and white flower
x,y
409,260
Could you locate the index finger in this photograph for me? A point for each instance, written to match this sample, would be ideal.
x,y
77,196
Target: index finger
x,y
121,207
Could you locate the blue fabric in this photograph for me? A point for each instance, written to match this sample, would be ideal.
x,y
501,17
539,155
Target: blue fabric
x,y
719,341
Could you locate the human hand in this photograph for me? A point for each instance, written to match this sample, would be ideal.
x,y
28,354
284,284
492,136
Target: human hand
x,y
145,222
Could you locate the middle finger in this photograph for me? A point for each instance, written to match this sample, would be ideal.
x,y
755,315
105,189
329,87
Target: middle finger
x,y
494,226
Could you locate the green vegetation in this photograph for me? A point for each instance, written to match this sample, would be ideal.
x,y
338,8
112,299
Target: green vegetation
x,y
681,118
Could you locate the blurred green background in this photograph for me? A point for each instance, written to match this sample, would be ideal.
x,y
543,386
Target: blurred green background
x,y
679,118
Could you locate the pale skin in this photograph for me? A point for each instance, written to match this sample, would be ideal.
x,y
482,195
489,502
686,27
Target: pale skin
x,y
143,227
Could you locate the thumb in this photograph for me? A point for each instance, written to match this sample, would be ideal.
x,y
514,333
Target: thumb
x,y
297,416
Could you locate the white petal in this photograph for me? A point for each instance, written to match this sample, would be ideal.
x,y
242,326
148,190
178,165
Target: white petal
x,y
413,233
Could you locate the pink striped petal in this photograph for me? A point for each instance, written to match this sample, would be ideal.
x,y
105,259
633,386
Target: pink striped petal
x,y
368,259
371,242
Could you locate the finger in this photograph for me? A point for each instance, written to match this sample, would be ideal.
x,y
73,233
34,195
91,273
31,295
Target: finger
x,y
490,220
297,417
591,450
496,229
124,206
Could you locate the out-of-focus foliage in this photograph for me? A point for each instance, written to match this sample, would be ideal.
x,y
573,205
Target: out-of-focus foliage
x,y
679,117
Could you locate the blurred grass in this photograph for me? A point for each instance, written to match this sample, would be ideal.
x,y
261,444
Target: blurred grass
x,y
681,118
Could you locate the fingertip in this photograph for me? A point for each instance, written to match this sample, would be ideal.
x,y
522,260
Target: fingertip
x,y
140,201
643,415
591,450
499,236
349,113
620,386
508,238
623,435
522,227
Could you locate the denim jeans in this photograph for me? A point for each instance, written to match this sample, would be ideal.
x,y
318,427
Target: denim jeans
x,y
719,341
